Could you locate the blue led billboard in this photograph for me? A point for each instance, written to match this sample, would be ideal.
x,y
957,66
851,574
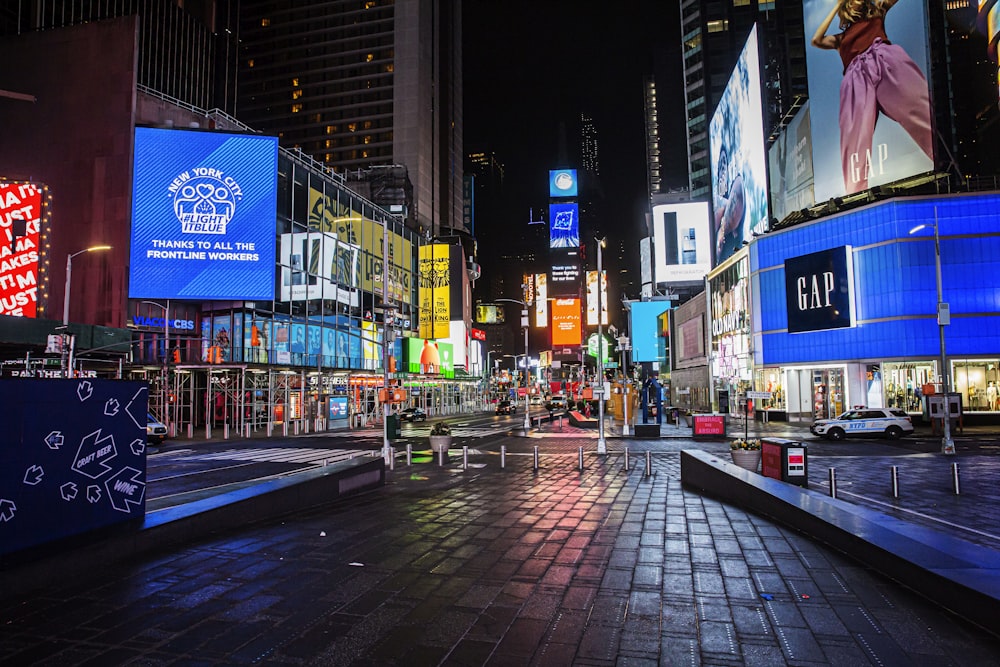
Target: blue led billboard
x,y
564,226
563,183
203,215
649,342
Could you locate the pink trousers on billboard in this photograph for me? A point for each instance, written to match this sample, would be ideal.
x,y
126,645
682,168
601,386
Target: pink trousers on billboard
x,y
882,79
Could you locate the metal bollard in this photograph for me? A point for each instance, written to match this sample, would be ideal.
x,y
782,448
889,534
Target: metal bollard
x,y
833,482
296,427
649,463
503,456
581,459
409,455
536,458
465,457
895,482
626,460
190,431
225,431
441,456
392,458
208,431
270,428
954,479
246,430
284,428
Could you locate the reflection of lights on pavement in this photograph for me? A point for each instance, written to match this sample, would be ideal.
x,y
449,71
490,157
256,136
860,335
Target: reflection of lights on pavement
x,y
418,478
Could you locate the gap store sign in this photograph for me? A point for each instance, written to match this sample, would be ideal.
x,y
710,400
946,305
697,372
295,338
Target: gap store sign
x,y
203,215
819,290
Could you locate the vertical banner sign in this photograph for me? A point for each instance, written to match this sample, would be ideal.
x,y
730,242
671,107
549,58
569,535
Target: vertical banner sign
x,y
435,290
20,220
592,298
541,300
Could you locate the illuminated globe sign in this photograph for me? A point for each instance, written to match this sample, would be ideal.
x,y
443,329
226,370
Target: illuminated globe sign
x,y
562,183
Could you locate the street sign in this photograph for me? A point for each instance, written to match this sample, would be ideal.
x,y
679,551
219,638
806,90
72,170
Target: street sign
x,y
758,394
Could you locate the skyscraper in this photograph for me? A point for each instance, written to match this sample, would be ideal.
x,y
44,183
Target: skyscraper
x,y
356,85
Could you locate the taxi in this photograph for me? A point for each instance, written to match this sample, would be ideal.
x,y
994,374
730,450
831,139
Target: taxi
x,y
890,422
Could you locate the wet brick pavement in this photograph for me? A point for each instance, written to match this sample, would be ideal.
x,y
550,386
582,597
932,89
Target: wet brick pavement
x,y
498,567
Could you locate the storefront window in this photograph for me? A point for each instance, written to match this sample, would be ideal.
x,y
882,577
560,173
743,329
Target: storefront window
x,y
977,380
769,379
904,383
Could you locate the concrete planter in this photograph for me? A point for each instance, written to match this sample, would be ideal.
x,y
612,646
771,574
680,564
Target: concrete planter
x,y
748,459
440,442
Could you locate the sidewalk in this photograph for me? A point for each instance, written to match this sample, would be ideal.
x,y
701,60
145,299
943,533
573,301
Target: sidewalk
x,y
490,566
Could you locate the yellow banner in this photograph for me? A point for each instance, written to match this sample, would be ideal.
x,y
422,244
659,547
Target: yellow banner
x,y
434,290
328,215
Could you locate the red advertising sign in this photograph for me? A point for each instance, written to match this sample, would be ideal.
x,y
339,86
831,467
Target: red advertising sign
x,y
20,221
478,334
709,425
770,459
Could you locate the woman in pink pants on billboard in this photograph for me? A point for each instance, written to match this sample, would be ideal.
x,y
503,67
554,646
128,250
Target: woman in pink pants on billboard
x,y
878,77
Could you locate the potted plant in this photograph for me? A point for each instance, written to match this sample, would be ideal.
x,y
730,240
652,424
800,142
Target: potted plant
x,y
440,437
746,453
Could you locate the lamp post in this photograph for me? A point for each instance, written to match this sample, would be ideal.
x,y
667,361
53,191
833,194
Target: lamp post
x,y
524,323
943,318
602,443
166,358
65,320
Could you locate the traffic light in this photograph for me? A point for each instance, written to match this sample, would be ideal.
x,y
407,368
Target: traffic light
x,y
176,356
254,336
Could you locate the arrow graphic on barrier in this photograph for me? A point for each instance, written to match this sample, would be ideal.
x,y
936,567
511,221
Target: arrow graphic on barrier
x,y
54,440
138,446
84,390
132,410
125,488
94,453
93,494
111,407
68,491
33,475
7,509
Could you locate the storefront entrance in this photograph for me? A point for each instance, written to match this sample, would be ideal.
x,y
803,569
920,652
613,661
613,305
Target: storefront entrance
x,y
814,393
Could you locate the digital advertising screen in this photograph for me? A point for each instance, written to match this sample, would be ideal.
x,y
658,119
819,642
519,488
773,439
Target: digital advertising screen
x,y
648,343
856,143
562,183
429,357
681,244
592,298
739,163
203,215
434,292
541,300
565,272
316,265
790,165
566,322
21,222
564,226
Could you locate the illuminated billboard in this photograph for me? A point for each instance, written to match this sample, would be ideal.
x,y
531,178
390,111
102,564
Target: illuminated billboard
x,y
428,357
564,226
648,340
541,300
862,135
315,265
592,298
203,215
566,322
20,248
790,165
562,183
488,313
434,275
739,169
565,272
681,245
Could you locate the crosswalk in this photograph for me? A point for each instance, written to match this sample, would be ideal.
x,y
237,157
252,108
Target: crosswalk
x,y
298,455
421,430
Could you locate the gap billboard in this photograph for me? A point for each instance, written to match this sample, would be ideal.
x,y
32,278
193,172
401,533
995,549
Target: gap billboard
x,y
864,136
203,215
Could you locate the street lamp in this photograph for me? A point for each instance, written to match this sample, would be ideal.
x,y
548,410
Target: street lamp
x,y
524,323
602,444
943,318
65,319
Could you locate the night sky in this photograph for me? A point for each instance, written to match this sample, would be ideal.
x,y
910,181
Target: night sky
x,y
530,65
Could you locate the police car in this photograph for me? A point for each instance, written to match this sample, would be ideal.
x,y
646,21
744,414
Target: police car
x,y
890,422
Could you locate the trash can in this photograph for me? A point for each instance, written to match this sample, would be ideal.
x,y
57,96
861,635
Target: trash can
x,y
392,427
787,460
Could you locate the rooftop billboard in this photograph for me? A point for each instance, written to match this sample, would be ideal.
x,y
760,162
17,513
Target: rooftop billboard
x,y
681,245
203,215
563,183
739,168
564,226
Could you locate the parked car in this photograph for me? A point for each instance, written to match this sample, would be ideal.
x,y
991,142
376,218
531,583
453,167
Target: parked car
x,y
505,408
890,422
413,415
536,400
156,431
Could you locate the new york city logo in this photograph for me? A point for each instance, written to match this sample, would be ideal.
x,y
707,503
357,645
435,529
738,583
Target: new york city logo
x,y
204,200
